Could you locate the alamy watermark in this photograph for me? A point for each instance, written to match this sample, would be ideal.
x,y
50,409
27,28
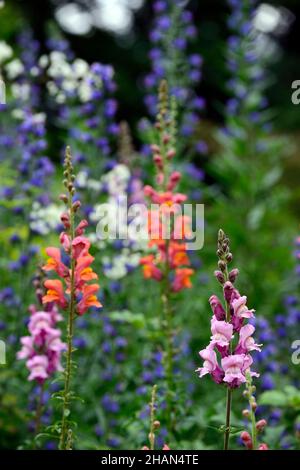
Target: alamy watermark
x,y
2,352
296,94
157,221
296,354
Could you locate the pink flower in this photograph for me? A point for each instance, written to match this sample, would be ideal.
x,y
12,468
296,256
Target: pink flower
x,y
217,308
38,368
221,332
81,227
234,369
39,325
240,308
53,342
210,365
246,342
248,361
65,241
80,247
44,347
27,348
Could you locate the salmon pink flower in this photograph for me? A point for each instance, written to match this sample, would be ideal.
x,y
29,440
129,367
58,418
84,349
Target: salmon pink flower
x,y
54,262
55,293
89,298
83,271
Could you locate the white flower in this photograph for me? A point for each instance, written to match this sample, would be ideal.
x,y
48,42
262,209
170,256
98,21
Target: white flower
x,y
45,220
5,52
14,68
80,68
20,91
43,61
84,92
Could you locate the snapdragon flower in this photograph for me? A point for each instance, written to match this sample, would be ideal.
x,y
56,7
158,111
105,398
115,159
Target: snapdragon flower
x,y
226,363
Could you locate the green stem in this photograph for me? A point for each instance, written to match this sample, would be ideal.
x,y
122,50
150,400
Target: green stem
x,y
168,357
68,370
254,431
228,413
152,415
229,390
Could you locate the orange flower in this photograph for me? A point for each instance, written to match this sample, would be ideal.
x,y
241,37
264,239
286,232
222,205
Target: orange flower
x,y
149,268
83,271
89,298
55,293
182,279
178,255
54,262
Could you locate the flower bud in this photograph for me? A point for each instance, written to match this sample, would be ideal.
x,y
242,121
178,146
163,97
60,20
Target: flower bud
x,y
166,138
158,160
220,277
254,405
160,178
233,275
171,154
222,265
156,424
155,148
217,308
247,440
64,198
261,424
246,413
80,227
76,205
65,219
263,446
228,290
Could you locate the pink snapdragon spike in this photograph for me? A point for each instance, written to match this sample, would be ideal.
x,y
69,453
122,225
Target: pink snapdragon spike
x,y
225,363
43,348
226,326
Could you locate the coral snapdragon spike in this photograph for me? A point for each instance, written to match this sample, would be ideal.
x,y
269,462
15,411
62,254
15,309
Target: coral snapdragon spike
x,y
168,261
167,226
228,361
76,289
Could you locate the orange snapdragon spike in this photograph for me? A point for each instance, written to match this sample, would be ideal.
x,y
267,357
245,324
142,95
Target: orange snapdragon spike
x,y
78,252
